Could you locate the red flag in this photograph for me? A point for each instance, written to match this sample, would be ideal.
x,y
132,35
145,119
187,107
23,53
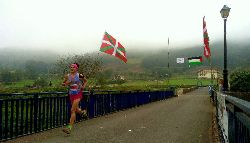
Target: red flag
x,y
112,47
207,53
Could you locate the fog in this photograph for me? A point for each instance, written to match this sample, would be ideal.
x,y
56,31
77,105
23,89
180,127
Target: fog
x,y
73,26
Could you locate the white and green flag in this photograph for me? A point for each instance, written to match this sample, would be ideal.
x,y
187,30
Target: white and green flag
x,y
195,60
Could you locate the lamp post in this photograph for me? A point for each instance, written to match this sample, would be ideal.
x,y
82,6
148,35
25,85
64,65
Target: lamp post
x,y
224,14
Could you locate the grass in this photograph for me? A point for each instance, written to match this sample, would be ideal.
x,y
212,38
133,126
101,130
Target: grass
x,y
19,84
154,84
176,82
24,83
128,85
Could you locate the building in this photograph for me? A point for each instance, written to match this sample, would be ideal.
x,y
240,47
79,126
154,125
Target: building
x,y
206,73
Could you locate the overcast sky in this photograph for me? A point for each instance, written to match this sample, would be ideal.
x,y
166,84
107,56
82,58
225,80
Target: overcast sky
x,y
79,25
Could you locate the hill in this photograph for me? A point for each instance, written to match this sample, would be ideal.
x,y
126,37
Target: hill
x,y
157,60
14,58
143,61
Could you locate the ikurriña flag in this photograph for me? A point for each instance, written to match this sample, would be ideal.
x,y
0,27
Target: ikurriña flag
x,y
112,47
207,53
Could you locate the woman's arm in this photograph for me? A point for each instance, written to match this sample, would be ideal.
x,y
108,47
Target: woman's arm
x,y
65,81
84,80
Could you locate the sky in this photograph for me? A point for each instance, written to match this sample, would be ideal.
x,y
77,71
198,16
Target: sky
x,y
78,25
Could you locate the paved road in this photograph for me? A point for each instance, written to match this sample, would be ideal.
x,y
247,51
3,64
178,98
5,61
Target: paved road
x,y
182,119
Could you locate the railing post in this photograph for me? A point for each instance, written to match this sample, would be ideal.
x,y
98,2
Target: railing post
x,y
21,118
57,111
11,117
50,113
43,112
231,122
121,101
83,102
47,113
54,112
91,104
236,126
137,98
39,118
26,115
64,121
17,117
35,111
107,103
118,101
61,111
6,127
112,102
129,99
1,119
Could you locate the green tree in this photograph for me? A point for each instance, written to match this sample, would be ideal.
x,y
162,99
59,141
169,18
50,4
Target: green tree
x,y
7,75
240,81
34,68
101,80
41,82
89,65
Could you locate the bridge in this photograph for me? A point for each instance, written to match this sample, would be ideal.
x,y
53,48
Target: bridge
x,y
186,118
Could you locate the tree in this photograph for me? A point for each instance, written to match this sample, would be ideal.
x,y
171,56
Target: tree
x,y
101,80
7,75
239,81
42,82
34,68
89,65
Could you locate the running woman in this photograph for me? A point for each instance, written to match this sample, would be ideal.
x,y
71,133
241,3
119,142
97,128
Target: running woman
x,y
76,83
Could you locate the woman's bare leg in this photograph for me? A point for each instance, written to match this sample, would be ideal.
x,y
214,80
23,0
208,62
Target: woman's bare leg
x,y
74,109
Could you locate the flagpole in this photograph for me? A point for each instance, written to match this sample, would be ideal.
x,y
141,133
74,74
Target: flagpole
x,y
207,52
210,61
168,52
168,61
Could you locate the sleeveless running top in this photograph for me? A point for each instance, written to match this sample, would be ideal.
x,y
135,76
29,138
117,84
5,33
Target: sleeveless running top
x,y
75,84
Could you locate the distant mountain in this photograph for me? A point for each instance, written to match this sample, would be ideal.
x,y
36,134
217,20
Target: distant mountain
x,y
238,56
141,61
16,58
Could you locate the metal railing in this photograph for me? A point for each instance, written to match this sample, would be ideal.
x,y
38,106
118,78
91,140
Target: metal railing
x,y
24,114
238,120
233,117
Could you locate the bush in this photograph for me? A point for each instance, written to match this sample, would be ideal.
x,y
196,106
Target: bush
x,y
240,81
101,80
41,82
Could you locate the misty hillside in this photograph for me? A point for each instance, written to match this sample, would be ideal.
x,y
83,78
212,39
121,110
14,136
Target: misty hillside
x,y
140,61
157,60
16,58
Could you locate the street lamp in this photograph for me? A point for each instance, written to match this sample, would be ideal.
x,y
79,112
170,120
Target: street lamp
x,y
224,14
